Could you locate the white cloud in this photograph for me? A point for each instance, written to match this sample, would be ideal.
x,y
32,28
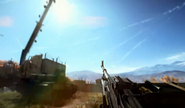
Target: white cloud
x,y
92,22
131,25
122,43
87,40
146,20
19,43
175,8
177,56
6,21
137,23
149,19
128,53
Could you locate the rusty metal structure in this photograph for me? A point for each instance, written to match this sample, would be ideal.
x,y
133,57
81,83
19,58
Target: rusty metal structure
x,y
43,80
35,32
123,93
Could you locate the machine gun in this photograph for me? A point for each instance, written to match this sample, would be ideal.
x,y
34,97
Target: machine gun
x,y
120,92
117,92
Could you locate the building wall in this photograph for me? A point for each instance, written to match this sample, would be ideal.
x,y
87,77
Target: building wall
x,y
98,81
49,66
80,84
84,87
4,71
92,88
36,60
7,71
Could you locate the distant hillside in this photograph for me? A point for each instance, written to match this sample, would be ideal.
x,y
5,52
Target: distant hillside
x,y
175,69
178,65
85,75
140,78
92,76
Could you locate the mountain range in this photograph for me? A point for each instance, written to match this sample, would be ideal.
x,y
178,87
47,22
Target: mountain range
x,y
84,75
175,69
178,65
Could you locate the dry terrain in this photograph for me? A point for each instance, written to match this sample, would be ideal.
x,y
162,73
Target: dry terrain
x,y
82,100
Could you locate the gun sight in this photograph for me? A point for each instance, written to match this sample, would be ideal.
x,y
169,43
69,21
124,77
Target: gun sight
x,y
102,64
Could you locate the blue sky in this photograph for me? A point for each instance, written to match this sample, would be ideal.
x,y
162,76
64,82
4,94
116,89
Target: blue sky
x,y
126,34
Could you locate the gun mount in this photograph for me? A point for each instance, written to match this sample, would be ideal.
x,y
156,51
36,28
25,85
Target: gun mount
x,y
123,93
35,33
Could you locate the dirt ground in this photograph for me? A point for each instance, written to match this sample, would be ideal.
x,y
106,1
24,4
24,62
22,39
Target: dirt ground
x,y
85,100
81,100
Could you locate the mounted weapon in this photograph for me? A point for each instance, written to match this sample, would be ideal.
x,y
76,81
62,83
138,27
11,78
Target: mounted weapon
x,y
120,92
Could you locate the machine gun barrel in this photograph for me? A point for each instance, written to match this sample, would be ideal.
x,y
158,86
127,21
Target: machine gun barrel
x,y
34,34
108,86
117,92
106,75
